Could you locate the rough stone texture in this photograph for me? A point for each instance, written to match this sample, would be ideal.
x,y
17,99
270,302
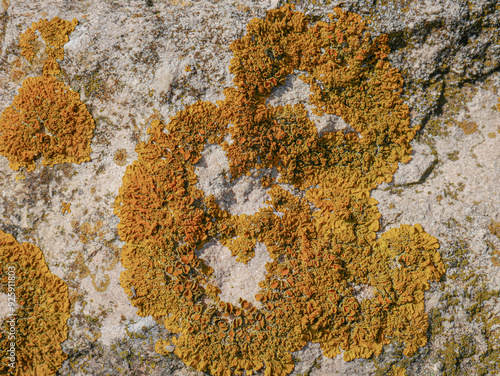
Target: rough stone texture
x,y
417,169
148,59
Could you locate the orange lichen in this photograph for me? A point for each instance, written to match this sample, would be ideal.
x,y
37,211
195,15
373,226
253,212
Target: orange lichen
x,y
66,207
161,346
47,118
55,35
17,73
322,245
42,312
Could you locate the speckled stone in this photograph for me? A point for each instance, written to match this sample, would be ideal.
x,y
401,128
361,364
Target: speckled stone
x,y
139,60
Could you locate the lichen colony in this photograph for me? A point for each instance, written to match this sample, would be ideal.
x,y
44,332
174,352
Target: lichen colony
x,y
47,119
43,308
323,245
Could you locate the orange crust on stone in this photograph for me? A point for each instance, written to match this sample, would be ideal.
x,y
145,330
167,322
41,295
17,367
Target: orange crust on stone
x,y
322,245
47,118
42,312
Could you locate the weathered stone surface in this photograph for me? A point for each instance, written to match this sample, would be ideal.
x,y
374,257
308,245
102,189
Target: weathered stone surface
x,y
415,171
149,59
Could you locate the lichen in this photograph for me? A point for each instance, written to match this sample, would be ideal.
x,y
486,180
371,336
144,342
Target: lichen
x,y
103,285
55,35
322,245
469,127
85,232
120,157
398,371
66,207
43,309
47,118
453,353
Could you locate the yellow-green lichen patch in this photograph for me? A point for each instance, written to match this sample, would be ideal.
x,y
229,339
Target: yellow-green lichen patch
x,y
43,309
322,245
102,283
47,118
494,228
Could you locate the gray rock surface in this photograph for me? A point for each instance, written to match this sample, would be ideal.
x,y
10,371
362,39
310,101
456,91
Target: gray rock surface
x,y
138,60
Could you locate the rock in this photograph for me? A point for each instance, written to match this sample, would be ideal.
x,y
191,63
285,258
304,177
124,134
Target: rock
x,y
420,166
150,59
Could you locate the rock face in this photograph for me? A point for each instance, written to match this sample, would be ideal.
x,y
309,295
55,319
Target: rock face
x,y
145,61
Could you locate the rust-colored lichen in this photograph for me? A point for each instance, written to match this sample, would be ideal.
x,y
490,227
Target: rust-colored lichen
x,y
43,309
47,118
322,245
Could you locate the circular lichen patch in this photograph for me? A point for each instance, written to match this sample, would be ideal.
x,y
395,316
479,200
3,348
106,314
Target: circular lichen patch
x,y
120,157
323,244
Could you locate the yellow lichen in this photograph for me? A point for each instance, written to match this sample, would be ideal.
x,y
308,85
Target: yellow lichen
x,y
103,285
322,245
86,233
161,346
55,35
494,228
78,269
42,312
66,207
398,371
47,118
